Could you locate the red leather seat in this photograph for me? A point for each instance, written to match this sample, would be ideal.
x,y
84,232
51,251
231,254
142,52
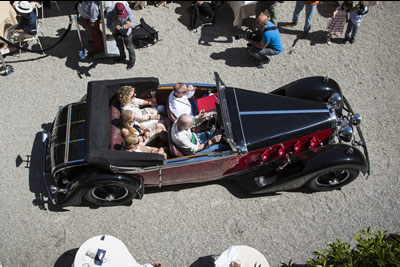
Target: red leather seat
x,y
171,115
174,150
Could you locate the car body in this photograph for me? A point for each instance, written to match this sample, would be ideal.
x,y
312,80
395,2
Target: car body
x,y
302,134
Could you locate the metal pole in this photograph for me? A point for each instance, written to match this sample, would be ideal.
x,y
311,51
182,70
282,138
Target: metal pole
x,y
103,27
5,70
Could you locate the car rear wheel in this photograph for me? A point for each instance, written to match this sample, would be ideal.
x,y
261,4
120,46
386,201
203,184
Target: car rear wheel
x,y
110,194
333,179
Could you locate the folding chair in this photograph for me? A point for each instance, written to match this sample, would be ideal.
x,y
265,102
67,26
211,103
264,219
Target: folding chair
x,y
22,38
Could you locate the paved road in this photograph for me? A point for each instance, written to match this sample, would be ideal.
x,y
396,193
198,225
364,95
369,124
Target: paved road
x,y
178,225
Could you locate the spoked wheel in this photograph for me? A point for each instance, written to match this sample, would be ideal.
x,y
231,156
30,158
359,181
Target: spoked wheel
x,y
333,179
110,194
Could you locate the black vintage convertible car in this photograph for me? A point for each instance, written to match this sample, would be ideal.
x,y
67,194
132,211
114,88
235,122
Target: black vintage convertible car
x,y
304,134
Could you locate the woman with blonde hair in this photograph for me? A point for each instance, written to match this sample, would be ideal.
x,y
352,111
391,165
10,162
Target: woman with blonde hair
x,y
129,125
132,144
144,114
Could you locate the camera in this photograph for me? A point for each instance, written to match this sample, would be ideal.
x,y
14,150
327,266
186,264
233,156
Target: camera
x,y
247,33
122,33
250,35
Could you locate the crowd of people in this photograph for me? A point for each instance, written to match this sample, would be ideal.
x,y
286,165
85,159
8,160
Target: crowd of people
x,y
264,43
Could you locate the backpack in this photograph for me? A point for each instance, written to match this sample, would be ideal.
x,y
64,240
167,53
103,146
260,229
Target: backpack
x,y
144,35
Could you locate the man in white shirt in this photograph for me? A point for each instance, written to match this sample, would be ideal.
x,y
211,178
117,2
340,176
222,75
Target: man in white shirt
x,y
179,100
190,143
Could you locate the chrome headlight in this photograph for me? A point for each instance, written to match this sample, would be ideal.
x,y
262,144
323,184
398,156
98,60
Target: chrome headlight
x,y
346,133
336,101
355,119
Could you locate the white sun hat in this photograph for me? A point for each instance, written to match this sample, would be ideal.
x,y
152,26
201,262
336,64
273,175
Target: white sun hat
x,y
24,7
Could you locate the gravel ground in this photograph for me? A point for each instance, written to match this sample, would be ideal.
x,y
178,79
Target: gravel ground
x,y
179,225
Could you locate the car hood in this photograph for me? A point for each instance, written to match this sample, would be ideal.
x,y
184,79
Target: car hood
x,y
256,120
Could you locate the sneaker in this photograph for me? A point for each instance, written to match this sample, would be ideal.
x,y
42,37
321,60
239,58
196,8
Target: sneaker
x,y
262,64
130,65
352,40
4,51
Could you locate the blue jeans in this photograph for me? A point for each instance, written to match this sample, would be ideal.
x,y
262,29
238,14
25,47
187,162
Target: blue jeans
x,y
204,137
351,28
310,10
261,54
129,45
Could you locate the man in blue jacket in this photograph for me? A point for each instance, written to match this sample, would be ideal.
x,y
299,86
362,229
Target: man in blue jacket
x,y
270,44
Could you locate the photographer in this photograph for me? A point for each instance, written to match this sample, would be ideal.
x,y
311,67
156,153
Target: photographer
x,y
120,22
266,43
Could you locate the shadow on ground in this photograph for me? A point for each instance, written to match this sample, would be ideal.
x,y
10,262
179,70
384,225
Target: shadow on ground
x,y
220,32
229,185
235,57
66,259
317,37
34,162
326,8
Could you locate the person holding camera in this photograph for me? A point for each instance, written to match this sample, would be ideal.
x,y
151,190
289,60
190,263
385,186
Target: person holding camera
x,y
120,22
266,43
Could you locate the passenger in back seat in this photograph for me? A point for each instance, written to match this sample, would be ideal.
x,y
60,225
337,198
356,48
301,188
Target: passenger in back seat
x,y
132,144
129,125
146,112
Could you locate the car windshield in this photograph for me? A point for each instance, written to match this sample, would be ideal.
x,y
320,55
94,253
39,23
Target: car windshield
x,y
225,110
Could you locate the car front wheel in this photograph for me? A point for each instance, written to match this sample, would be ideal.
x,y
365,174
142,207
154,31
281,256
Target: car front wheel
x,y
110,194
332,179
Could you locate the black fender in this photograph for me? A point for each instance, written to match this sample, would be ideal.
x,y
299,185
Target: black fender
x,y
83,183
314,162
315,88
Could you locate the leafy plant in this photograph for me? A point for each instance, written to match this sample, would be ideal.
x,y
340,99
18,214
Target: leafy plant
x,y
372,250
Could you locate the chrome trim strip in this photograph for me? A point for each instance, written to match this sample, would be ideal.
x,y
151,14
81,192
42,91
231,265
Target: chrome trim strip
x,y
73,141
244,147
67,133
133,170
76,161
67,167
272,112
75,122
185,162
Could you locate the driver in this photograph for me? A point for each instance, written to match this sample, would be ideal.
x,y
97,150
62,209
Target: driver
x,y
190,143
179,103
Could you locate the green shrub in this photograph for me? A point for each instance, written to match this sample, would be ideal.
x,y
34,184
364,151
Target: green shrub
x,y
372,250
